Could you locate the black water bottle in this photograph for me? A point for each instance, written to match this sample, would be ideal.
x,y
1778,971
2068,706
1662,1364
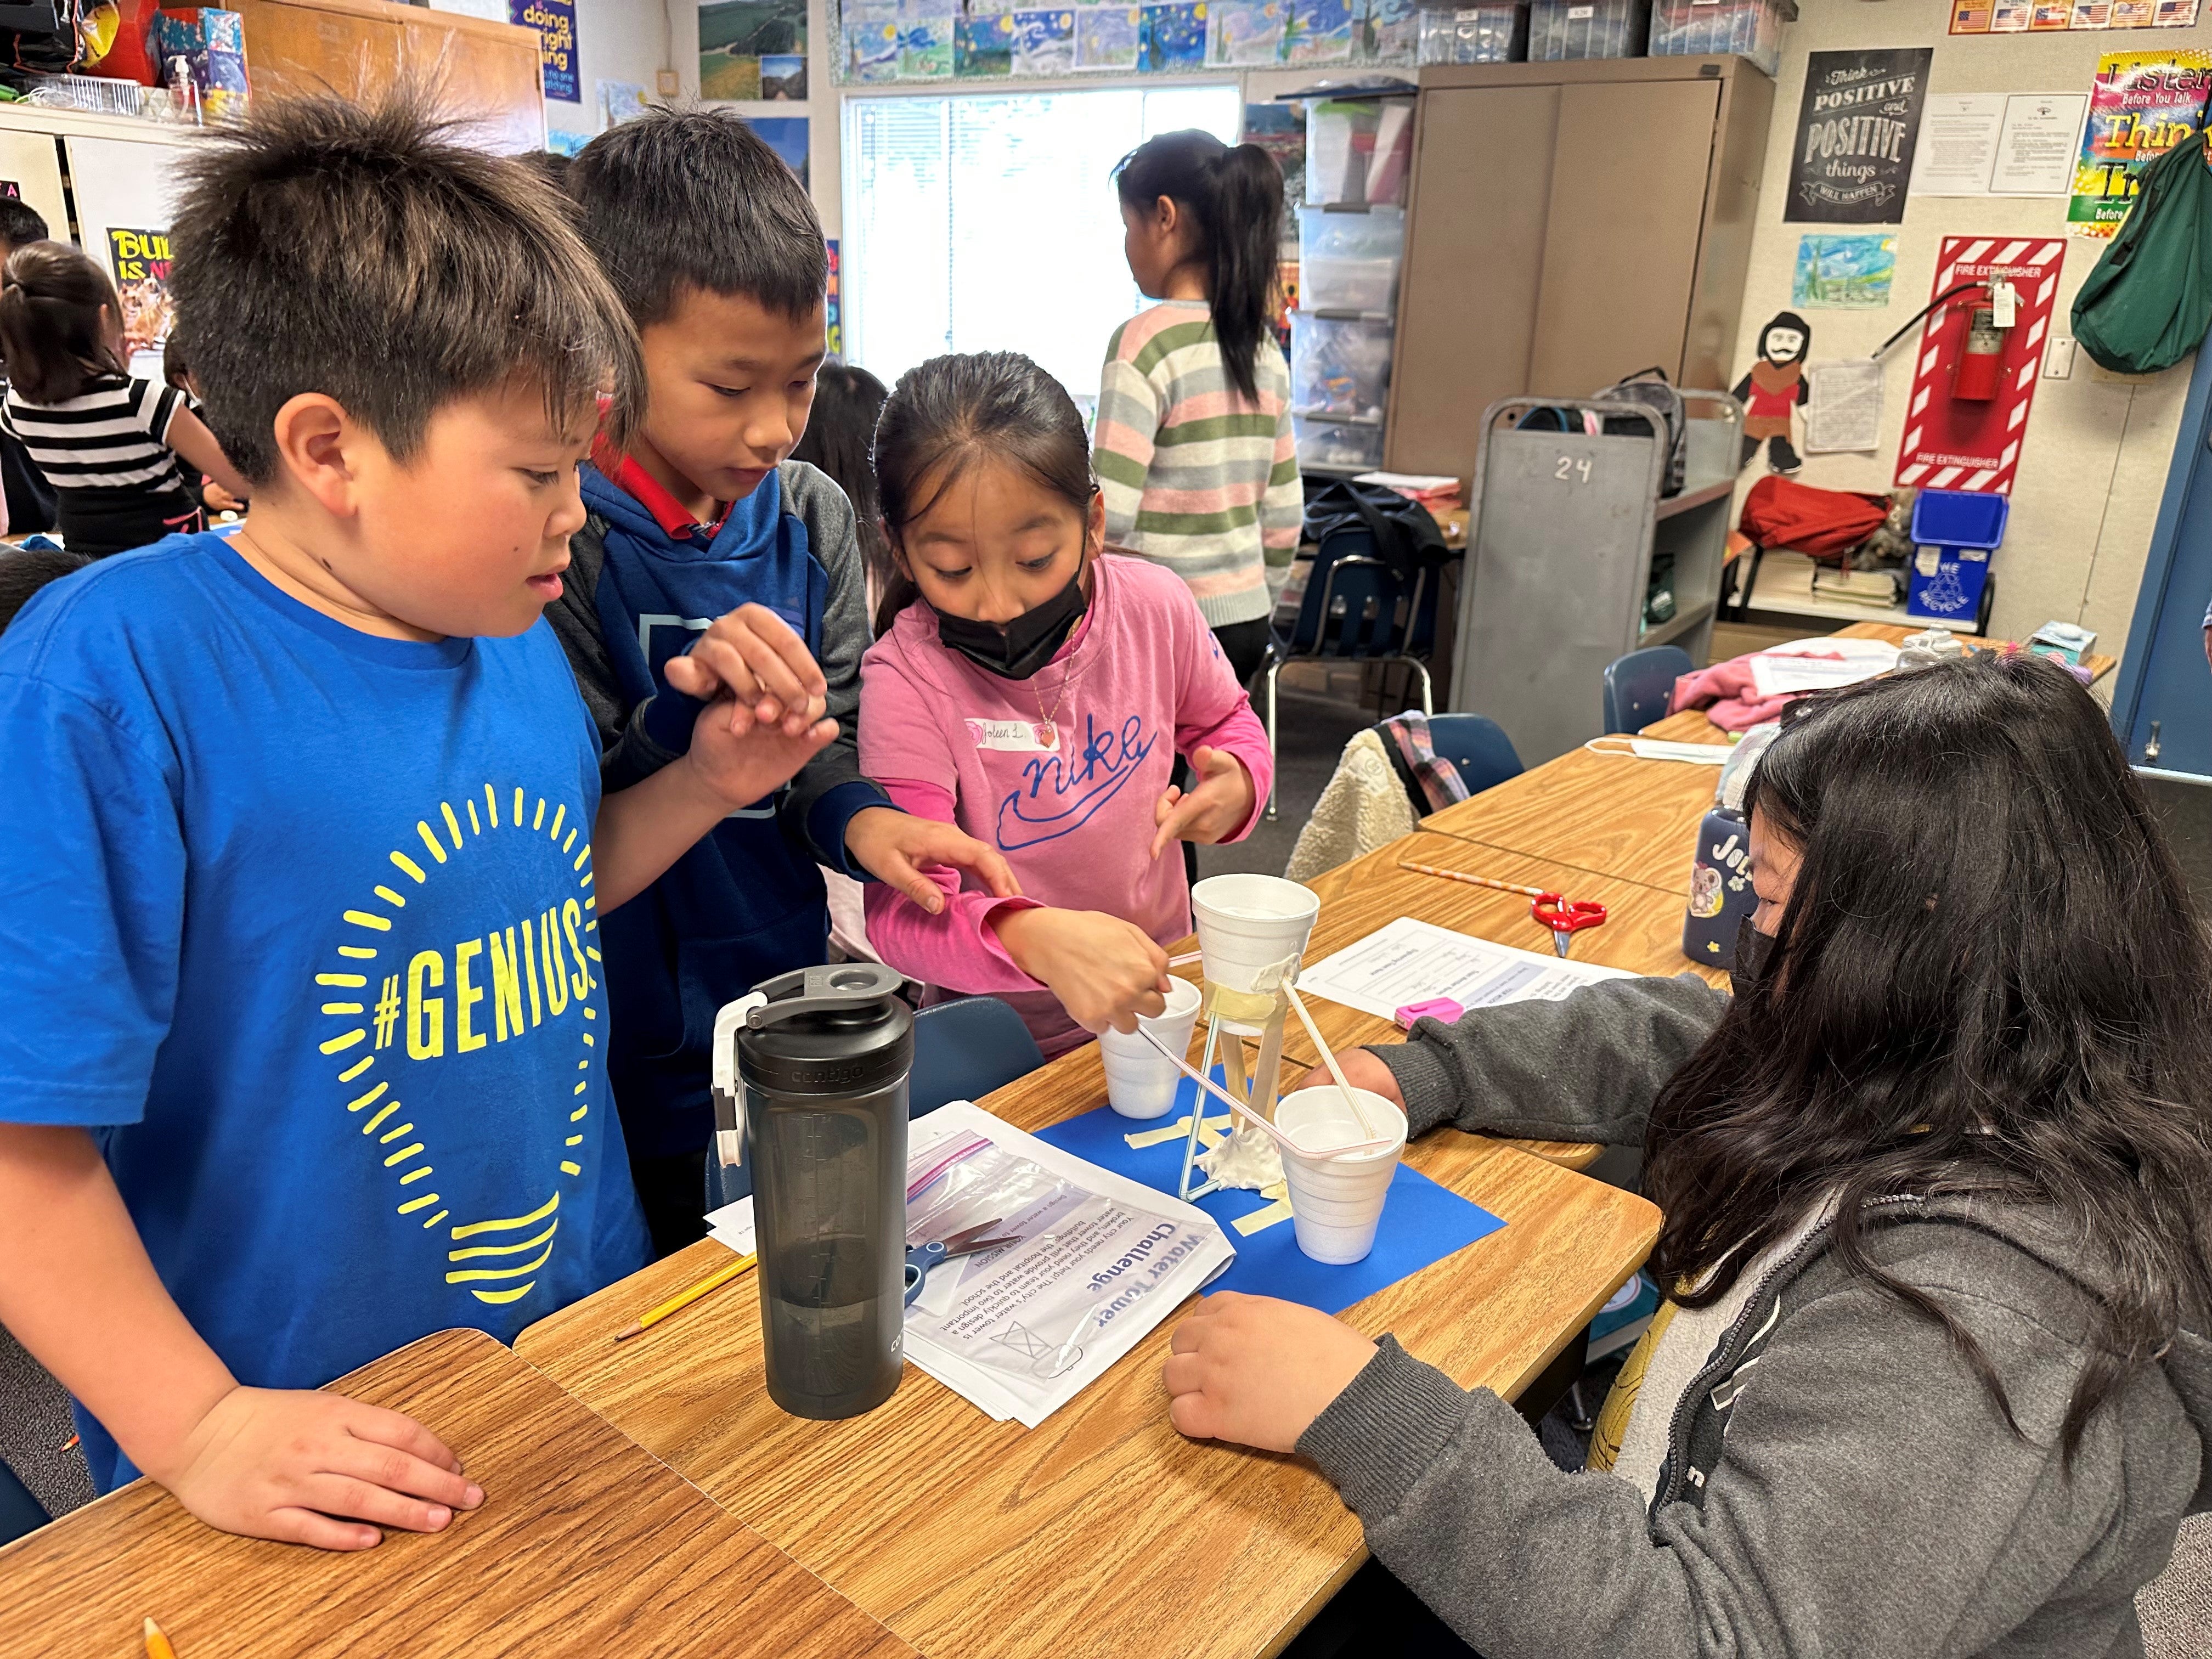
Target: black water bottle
x,y
822,1061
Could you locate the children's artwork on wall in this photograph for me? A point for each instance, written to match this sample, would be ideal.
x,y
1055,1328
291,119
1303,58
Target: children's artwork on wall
x,y
1172,37
561,143
555,21
734,35
140,262
1844,273
983,45
787,136
1390,30
1044,42
1247,33
620,101
1856,129
2016,16
1317,31
872,42
1773,391
2141,104
1106,37
1954,441
833,305
925,32
783,78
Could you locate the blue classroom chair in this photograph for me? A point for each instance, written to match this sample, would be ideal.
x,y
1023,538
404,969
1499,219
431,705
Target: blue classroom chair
x,y
1477,747
963,1049
20,1512
1638,686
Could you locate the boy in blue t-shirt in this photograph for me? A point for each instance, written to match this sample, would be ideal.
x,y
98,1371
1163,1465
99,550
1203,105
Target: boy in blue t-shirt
x,y
307,854
711,242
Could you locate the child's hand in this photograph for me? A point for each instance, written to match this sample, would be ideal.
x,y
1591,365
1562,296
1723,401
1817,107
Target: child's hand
x,y
1104,971
1258,1372
891,845
304,1468
739,763
218,499
1217,804
1362,1069
755,658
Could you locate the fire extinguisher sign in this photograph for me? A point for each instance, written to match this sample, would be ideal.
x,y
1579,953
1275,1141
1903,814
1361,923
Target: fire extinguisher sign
x,y
1981,352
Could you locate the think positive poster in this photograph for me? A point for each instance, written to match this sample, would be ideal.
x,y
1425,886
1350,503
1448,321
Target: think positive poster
x,y
1856,132
2141,104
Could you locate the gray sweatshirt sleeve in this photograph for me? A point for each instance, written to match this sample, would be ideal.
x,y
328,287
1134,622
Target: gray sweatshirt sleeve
x,y
1587,1068
627,753
1870,1500
829,789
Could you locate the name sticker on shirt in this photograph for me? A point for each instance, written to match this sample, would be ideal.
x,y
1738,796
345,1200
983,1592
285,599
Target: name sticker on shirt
x,y
1016,736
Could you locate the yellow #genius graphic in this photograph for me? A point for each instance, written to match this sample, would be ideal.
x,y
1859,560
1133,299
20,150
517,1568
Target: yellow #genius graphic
x,y
454,997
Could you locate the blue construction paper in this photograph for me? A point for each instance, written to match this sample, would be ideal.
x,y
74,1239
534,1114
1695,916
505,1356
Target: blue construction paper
x,y
1422,1222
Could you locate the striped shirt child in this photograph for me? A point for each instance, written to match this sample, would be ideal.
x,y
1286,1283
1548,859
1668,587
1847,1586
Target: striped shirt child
x,y
1196,478
105,453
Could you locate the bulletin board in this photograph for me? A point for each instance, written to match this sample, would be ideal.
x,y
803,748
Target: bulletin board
x,y
905,42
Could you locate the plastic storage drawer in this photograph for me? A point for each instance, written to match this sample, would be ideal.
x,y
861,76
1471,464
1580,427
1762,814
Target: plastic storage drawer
x,y
1349,261
1560,29
1338,446
1339,367
1695,28
1474,34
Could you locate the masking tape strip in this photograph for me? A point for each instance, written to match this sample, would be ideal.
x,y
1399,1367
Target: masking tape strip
x,y
1174,1131
1249,1224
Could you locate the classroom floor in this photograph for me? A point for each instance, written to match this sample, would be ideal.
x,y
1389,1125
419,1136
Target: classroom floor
x,y
35,1430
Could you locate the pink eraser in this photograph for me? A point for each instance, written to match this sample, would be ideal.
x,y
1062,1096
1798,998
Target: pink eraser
x,y
1442,1008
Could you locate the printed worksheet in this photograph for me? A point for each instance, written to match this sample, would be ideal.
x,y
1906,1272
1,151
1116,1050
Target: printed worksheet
x,y
1411,961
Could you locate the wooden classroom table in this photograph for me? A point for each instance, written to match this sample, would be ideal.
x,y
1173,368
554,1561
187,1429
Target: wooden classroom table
x,y
1103,1533
584,1545
1613,814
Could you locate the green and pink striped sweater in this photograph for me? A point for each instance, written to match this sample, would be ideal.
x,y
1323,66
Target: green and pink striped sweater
x,y
1197,478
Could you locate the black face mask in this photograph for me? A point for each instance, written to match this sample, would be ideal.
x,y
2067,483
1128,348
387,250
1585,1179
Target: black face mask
x,y
1754,955
1024,645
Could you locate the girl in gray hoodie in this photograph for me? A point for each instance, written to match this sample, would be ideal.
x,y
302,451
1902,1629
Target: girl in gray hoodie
x,y
1938,1189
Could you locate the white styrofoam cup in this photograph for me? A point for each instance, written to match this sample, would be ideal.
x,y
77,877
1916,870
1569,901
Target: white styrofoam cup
x,y
1248,924
1337,1203
1140,1080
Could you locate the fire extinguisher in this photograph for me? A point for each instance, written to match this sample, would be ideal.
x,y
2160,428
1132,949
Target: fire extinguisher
x,y
1981,361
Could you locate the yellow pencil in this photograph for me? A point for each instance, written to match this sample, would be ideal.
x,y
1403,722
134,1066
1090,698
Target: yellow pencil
x,y
685,1297
157,1645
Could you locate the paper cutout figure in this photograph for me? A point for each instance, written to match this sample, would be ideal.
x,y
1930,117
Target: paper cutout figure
x,y
1772,392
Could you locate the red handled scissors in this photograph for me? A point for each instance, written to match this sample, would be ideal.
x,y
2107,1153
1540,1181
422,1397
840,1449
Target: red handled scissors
x,y
1565,917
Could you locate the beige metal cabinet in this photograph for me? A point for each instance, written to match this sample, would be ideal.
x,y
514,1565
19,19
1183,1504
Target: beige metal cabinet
x,y
1569,224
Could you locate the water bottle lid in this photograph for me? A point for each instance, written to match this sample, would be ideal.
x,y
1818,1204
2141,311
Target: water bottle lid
x,y
834,1029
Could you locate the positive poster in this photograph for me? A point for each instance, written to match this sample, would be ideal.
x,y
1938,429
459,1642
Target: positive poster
x,y
555,21
140,260
1856,129
1952,443
2142,104
736,36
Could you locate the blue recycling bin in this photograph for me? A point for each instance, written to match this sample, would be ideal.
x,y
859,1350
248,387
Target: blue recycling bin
x,y
1953,533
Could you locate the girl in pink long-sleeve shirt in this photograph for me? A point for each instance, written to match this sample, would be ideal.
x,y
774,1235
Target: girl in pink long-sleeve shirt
x,y
1034,690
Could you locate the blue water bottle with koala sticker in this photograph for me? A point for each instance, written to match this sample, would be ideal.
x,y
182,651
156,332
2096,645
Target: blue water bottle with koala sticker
x,y
1720,870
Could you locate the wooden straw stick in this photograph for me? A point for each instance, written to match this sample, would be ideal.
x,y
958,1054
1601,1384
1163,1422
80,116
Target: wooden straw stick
x,y
1328,1058
1472,881
1243,1109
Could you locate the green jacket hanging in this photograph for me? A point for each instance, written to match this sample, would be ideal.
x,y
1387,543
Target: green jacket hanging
x,y
2148,301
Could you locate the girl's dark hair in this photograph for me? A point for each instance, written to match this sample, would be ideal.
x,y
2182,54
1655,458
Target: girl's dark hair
x,y
953,411
1988,978
1235,199
50,331
846,401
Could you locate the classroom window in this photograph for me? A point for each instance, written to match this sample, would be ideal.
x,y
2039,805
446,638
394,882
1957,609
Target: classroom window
x,y
979,222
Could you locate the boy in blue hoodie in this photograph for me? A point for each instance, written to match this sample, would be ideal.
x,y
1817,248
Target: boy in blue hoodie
x,y
697,528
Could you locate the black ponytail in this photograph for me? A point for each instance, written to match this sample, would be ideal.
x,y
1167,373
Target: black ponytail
x,y
1235,197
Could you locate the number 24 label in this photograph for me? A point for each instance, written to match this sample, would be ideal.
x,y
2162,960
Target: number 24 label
x,y
1571,469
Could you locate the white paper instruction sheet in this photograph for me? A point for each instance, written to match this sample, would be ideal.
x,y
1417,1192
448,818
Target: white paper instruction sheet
x,y
1411,961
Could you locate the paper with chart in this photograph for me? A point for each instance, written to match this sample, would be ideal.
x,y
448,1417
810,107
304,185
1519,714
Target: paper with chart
x,y
1099,1260
1411,961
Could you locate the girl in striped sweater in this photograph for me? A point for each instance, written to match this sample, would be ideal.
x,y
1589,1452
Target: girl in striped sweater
x,y
1192,446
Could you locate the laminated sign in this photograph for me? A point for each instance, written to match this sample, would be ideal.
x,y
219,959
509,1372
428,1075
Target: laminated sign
x,y
1856,129
1955,442
555,22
